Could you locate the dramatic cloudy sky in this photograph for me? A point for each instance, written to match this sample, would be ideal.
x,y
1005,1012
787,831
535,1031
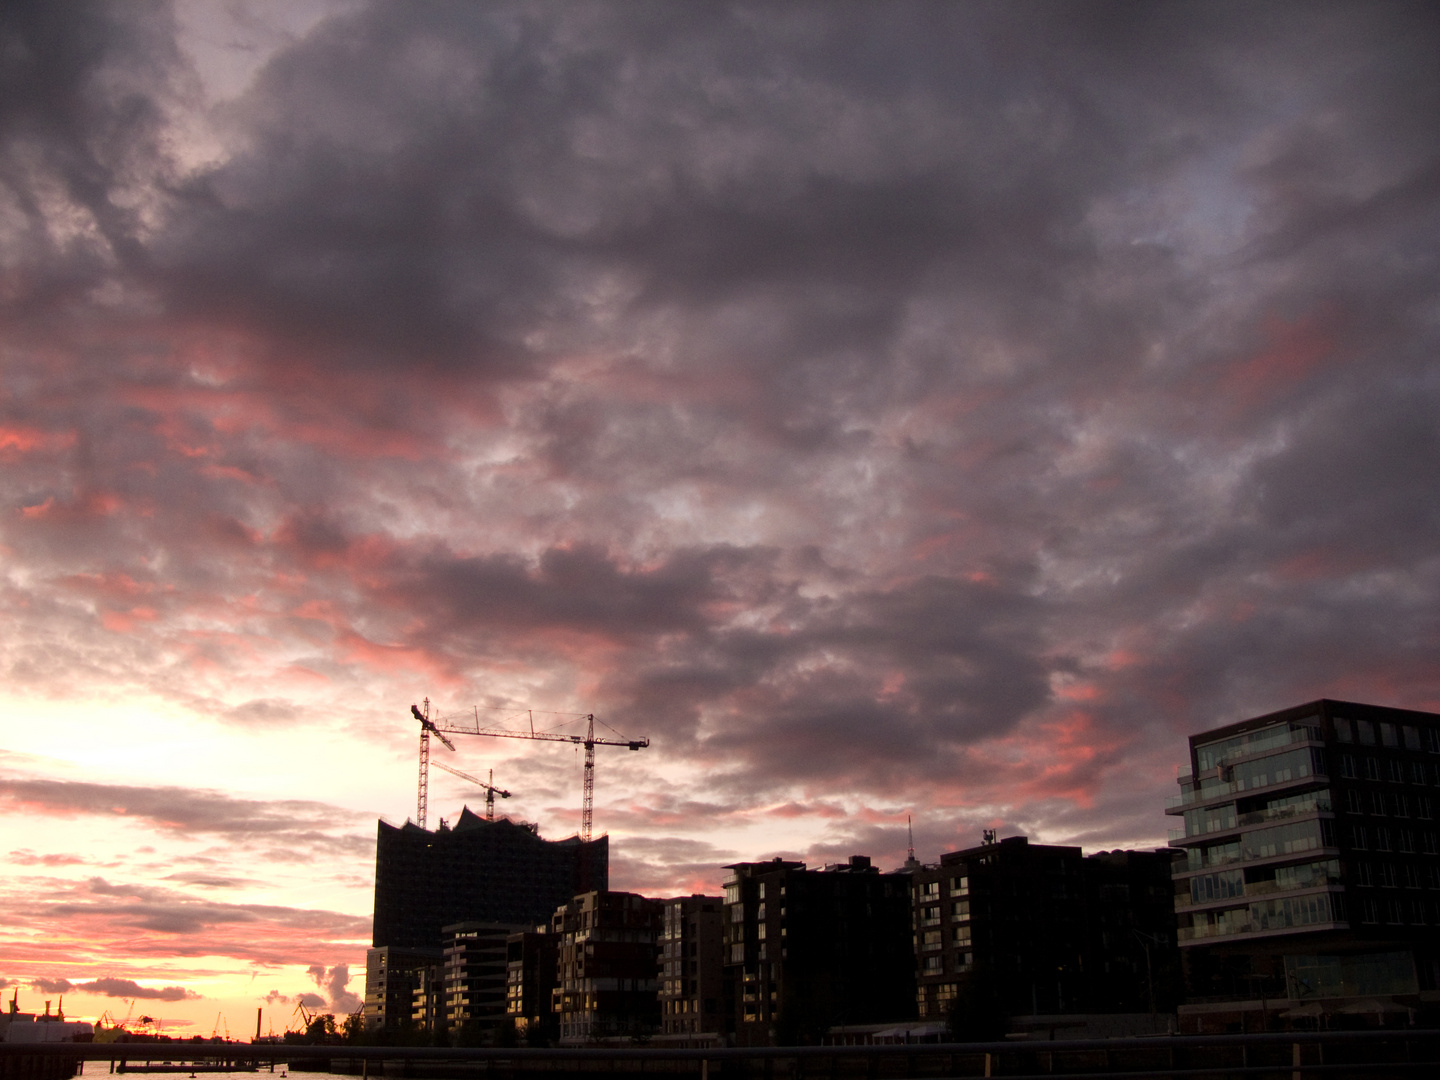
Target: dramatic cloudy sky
x,y
933,409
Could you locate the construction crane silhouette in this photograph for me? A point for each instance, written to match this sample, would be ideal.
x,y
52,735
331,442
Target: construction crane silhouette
x,y
490,789
426,727
588,741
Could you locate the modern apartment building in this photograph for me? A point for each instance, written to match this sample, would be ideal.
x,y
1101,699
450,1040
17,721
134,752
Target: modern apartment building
x,y
531,960
1037,929
1310,890
392,977
810,949
474,976
606,971
692,954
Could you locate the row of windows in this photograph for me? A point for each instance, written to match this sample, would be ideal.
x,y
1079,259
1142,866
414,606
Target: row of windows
x,y
1387,804
1400,910
1276,769
1222,818
930,890
1282,913
1396,736
1229,884
1253,742
1390,770
930,940
1264,843
1391,876
1384,838
936,965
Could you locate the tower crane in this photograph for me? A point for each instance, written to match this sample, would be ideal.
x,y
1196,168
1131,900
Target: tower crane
x,y
426,727
588,741
490,789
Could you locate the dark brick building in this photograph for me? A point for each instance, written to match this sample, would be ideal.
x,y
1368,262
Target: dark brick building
x,y
692,956
606,972
810,949
1021,929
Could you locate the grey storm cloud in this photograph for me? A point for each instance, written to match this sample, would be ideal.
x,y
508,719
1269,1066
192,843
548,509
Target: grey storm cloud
x,y
829,389
190,811
129,988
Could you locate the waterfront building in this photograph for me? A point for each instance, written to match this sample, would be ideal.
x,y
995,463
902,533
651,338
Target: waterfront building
x,y
531,964
606,970
393,977
478,871
1310,890
692,952
810,949
1015,929
474,977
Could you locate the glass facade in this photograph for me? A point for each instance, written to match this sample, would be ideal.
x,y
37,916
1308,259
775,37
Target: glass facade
x,y
1260,811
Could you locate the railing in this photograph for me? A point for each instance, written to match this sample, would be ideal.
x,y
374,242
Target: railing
x,y
1225,790
1293,1055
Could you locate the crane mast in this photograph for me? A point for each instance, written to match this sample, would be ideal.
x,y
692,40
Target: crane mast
x,y
426,727
490,789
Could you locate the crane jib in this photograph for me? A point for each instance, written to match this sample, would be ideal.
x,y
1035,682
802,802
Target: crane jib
x,y
588,740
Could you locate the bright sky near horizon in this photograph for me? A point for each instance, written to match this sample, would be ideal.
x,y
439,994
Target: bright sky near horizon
x,y
889,409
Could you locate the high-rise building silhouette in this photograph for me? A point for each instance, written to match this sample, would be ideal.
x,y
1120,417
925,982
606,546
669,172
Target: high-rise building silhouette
x,y
1310,889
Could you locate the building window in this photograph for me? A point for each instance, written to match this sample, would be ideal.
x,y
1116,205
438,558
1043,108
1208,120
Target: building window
x,y
1382,838
933,965
1422,807
930,940
1368,911
961,937
1372,768
1395,770
1362,874
928,890
1365,730
959,909
1359,837
1410,875
1427,841
930,916
1407,840
1347,766
1412,737
1343,732
737,953
1387,875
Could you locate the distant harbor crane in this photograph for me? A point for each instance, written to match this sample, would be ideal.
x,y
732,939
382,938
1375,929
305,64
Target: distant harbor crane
x,y
589,741
490,789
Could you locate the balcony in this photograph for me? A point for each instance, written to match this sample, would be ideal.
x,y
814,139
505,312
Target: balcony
x,y
1260,742
1230,791
1312,911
